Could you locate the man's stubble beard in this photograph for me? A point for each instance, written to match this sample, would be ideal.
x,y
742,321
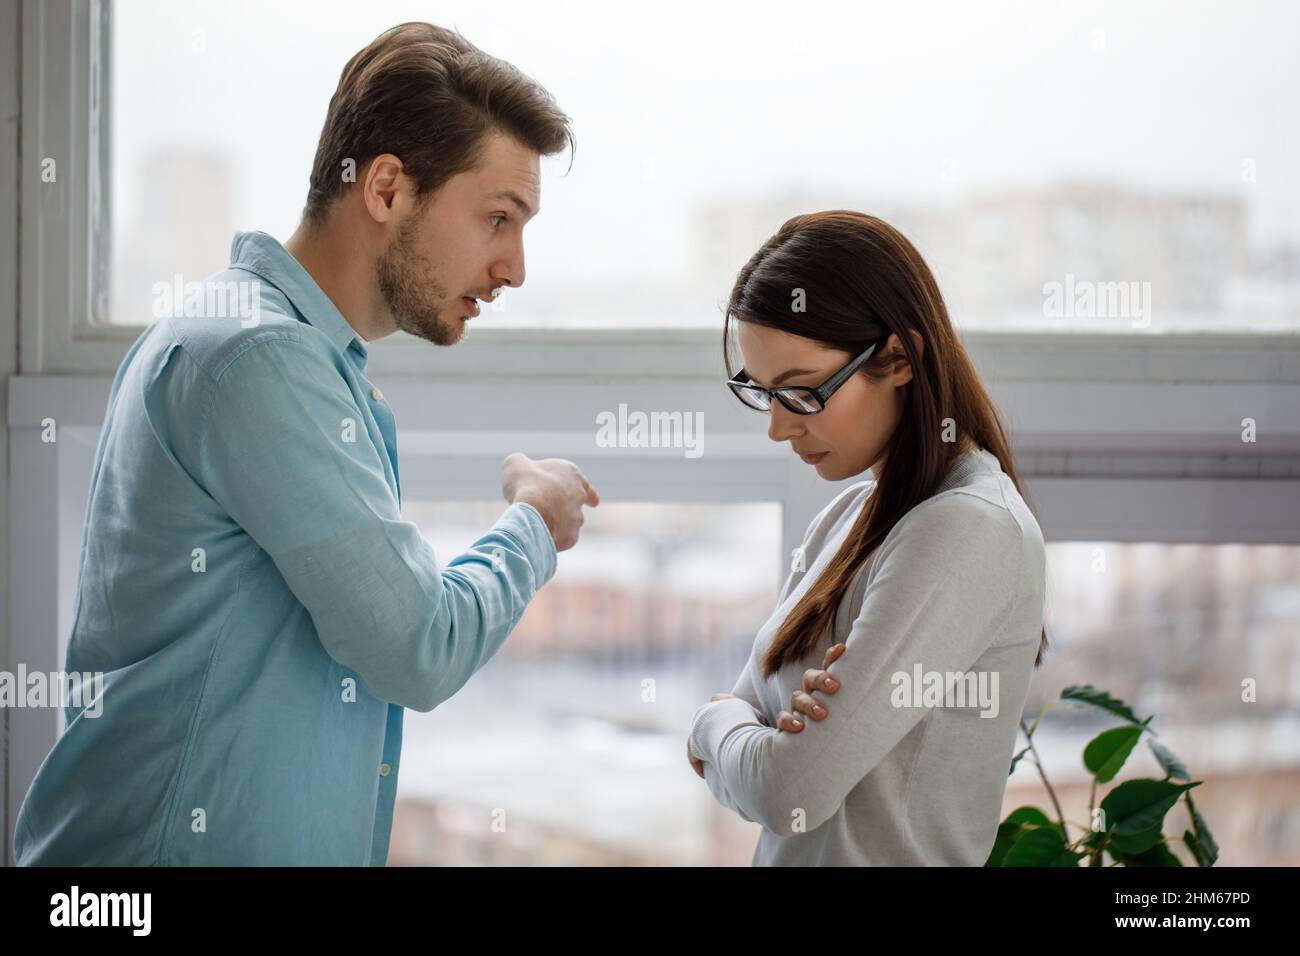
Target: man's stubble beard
x,y
411,294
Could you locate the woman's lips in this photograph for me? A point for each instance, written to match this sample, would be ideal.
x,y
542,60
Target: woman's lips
x,y
813,459
470,304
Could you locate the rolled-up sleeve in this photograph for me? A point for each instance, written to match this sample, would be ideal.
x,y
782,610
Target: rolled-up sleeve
x,y
944,580
283,448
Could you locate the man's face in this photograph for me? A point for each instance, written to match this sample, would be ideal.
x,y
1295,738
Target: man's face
x,y
466,240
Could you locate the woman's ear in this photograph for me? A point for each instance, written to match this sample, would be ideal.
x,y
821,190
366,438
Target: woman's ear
x,y
902,367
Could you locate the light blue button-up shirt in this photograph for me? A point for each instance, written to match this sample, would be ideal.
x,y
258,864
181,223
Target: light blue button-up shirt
x,y
259,609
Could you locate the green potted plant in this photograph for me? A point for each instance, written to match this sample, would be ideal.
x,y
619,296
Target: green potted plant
x,y
1127,825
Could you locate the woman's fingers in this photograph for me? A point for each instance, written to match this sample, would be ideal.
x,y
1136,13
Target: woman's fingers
x,y
814,679
820,678
802,703
788,722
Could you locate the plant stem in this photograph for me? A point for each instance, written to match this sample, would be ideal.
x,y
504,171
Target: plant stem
x,y
1041,714
1038,762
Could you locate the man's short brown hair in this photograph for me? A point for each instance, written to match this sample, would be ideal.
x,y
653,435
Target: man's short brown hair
x,y
430,97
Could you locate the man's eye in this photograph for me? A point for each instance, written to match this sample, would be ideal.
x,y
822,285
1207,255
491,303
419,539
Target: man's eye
x,y
495,224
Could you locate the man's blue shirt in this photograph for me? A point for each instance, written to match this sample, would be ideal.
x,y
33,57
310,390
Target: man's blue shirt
x,y
259,608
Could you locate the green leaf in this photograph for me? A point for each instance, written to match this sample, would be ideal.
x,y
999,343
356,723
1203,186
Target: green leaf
x,y
1030,815
1007,833
1087,694
1129,844
1201,842
1015,760
1068,857
1158,855
1106,753
1168,762
1009,829
1036,846
1135,812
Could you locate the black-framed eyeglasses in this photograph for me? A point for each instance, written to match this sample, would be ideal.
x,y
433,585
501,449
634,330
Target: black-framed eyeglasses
x,y
800,399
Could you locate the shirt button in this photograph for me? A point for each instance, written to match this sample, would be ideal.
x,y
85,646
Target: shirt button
x,y
376,394
384,770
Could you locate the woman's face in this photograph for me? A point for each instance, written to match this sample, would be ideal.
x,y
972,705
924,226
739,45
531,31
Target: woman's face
x,y
851,432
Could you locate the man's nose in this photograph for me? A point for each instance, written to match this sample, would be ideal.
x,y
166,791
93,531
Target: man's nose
x,y
510,270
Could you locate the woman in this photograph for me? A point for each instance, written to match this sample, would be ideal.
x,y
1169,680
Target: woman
x,y
916,598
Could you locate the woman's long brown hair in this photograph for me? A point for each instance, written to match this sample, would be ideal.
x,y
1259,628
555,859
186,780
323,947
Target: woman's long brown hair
x,y
861,280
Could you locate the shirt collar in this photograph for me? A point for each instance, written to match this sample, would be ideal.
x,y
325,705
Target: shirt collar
x,y
967,465
263,255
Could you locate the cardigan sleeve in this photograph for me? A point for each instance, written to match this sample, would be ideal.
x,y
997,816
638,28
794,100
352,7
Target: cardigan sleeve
x,y
945,576
748,697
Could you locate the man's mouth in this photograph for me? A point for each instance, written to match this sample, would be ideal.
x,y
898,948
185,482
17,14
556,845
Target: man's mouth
x,y
471,304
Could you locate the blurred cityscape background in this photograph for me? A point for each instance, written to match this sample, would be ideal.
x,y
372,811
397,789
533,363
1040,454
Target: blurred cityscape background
x,y
558,738
992,253
1110,142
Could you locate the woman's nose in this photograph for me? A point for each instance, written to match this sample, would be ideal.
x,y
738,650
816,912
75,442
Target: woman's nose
x,y
784,424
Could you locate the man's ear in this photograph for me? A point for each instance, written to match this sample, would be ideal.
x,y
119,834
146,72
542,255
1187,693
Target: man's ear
x,y
382,188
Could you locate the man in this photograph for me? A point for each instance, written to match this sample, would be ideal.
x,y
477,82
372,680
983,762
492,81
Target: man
x,y
260,611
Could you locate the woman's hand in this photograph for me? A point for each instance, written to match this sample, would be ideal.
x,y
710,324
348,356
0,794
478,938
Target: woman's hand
x,y
696,763
802,701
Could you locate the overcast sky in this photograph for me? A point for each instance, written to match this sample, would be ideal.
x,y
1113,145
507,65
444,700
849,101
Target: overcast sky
x,y
674,102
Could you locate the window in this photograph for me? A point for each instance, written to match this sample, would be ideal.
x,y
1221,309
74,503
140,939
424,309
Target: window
x,y
1187,634
1105,161
568,747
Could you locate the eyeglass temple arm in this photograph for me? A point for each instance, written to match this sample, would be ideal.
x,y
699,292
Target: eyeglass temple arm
x,y
842,375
